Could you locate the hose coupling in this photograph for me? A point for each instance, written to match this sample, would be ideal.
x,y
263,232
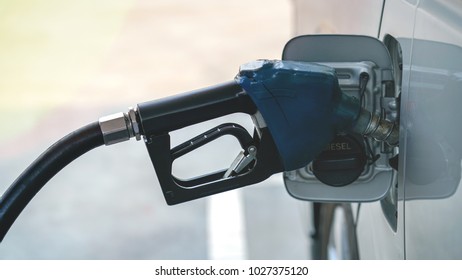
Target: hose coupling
x,y
120,127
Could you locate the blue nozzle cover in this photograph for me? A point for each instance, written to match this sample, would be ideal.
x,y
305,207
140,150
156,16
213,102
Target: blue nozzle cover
x,y
302,105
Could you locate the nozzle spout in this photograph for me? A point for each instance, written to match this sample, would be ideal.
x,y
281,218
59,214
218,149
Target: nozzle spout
x,y
374,126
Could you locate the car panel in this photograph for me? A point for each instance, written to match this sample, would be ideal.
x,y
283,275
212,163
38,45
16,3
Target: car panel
x,y
433,196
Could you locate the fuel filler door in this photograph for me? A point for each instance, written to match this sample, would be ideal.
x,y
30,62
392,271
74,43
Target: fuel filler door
x,y
351,168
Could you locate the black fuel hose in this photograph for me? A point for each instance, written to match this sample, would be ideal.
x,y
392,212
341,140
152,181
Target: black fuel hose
x,y
47,165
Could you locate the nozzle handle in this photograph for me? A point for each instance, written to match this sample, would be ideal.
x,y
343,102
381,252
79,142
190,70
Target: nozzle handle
x,y
158,118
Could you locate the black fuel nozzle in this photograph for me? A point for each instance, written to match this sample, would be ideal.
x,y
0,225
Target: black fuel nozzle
x,y
297,108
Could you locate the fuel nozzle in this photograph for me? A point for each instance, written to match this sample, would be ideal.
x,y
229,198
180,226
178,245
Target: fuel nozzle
x,y
297,108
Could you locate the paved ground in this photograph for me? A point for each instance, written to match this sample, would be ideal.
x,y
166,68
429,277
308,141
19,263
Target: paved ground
x,y
66,63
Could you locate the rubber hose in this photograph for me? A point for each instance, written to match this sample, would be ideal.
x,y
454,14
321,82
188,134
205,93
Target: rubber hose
x,y
47,165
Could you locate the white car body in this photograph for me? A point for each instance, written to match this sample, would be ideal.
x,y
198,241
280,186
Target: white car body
x,y
429,198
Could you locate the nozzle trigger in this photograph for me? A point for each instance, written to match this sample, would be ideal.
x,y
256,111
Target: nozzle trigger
x,y
243,160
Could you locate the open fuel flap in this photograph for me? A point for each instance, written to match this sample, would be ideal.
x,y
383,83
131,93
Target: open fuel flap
x,y
352,168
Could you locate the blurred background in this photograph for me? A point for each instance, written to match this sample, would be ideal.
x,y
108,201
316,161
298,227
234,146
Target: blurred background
x,y
66,63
